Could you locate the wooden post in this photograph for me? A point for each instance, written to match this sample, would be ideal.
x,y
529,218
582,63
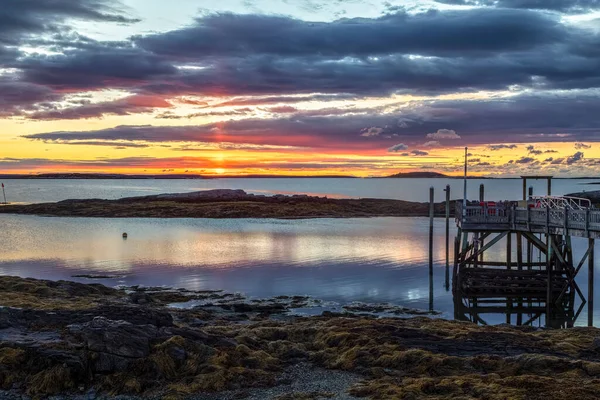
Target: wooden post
x,y
549,257
529,254
591,282
456,260
549,186
431,215
566,222
447,190
431,208
508,267
587,222
519,239
519,251
509,250
485,213
524,188
530,191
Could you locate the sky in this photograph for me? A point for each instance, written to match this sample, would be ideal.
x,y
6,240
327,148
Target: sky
x,y
300,87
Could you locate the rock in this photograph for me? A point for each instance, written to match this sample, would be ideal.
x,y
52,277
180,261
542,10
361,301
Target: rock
x,y
596,344
12,317
140,298
118,338
107,363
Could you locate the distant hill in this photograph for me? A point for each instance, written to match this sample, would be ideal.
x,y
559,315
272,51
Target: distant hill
x,y
418,175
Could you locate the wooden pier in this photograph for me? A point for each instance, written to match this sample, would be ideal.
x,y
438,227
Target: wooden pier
x,y
536,274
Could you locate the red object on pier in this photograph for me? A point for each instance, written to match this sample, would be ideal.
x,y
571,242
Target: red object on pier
x,y
491,206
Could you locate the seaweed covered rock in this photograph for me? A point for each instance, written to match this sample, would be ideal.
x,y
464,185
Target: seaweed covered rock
x,y
147,354
118,338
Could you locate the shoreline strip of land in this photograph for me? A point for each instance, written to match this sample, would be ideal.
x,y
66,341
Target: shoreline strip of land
x,y
227,203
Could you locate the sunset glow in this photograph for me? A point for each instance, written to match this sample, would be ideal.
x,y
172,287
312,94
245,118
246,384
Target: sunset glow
x,y
299,88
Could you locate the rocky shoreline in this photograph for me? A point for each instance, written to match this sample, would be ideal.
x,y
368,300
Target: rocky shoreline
x,y
226,203
67,340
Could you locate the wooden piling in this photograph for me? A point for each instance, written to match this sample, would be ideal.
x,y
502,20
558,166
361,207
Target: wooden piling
x,y
447,281
482,200
591,282
508,267
519,251
431,215
519,238
509,250
549,256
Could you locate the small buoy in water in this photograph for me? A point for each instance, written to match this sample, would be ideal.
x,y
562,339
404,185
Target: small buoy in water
x,y
124,235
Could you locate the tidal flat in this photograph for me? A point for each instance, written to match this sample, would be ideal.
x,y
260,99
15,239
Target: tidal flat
x,y
75,341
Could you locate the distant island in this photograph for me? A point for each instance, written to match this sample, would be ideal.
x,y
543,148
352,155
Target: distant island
x,y
419,175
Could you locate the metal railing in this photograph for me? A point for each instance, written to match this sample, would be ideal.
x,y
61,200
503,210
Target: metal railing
x,y
569,214
574,203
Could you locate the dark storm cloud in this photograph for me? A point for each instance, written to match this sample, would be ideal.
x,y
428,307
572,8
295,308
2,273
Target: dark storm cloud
x,y
521,119
563,6
316,132
430,33
518,119
284,60
16,96
98,68
20,19
33,16
266,75
284,99
126,106
287,56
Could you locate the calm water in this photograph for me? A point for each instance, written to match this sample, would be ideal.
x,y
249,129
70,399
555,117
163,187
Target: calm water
x,y
36,190
335,260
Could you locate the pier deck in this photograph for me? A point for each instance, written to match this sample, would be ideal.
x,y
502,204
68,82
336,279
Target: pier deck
x,y
535,278
578,222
